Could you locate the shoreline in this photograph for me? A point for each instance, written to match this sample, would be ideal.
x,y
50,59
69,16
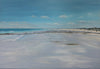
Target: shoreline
x,y
84,31
49,49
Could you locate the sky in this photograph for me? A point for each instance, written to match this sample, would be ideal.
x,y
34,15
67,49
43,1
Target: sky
x,y
49,13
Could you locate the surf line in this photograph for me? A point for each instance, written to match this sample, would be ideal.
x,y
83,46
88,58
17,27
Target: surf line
x,y
17,38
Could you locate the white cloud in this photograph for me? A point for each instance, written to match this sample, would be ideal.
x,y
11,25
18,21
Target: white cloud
x,y
56,23
45,17
63,16
89,14
21,24
33,16
53,24
81,17
82,21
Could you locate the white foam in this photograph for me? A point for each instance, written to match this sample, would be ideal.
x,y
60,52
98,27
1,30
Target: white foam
x,y
14,38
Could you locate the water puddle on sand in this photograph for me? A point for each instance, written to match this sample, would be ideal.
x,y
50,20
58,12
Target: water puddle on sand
x,y
70,44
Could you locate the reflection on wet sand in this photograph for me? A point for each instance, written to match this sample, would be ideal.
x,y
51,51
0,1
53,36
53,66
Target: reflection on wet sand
x,y
50,50
72,44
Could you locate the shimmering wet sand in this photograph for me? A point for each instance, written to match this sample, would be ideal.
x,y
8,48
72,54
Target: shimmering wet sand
x,y
50,51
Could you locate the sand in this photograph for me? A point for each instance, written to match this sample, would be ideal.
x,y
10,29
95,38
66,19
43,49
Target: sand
x,y
50,51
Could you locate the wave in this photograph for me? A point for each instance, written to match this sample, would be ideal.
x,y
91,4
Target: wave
x,y
19,30
52,31
15,39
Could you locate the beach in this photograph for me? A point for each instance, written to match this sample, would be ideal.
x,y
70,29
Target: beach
x,y
51,50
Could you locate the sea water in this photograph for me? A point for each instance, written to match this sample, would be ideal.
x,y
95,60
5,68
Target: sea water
x,y
20,30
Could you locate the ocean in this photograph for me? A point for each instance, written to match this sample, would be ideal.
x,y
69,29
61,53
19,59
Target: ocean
x,y
20,30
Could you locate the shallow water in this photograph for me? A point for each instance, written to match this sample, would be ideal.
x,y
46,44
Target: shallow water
x,y
21,30
50,51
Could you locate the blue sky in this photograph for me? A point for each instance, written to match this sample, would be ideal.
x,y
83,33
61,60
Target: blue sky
x,y
49,13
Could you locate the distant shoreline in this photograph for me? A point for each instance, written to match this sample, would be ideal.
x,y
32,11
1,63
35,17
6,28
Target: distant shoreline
x,y
84,31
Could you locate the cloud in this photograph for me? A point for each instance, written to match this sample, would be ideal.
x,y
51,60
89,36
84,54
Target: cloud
x,y
45,17
19,24
89,14
82,21
53,23
56,24
33,16
63,16
81,17
89,22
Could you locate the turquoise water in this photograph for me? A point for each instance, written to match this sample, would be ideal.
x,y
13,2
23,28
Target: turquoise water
x,y
25,30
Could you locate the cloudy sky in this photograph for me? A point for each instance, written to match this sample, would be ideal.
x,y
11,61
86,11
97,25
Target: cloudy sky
x,y
49,13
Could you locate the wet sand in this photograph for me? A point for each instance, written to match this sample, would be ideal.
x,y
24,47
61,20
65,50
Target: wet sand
x,y
84,31
50,51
